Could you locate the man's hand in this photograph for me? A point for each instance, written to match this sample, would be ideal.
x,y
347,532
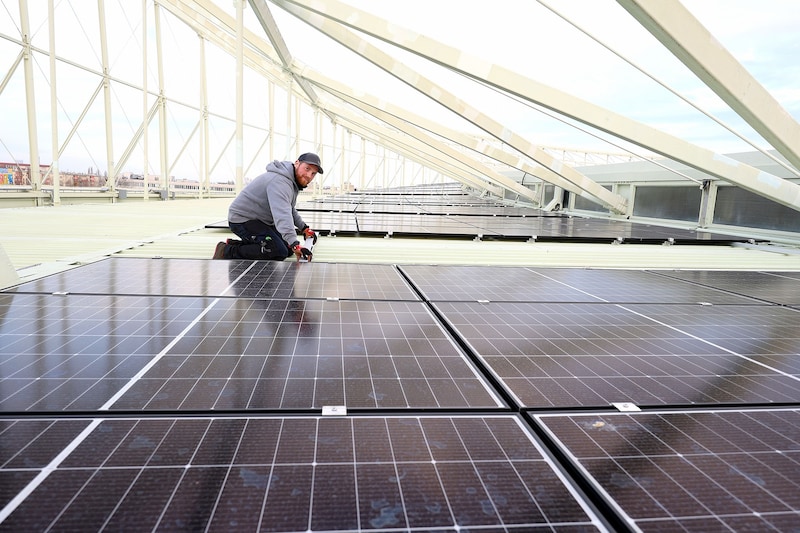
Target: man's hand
x,y
302,252
308,233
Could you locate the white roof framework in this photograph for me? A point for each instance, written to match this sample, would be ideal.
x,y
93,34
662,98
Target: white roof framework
x,y
772,187
480,148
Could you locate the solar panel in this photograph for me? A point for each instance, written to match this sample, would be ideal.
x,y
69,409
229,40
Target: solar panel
x,y
289,279
330,222
422,473
519,284
778,287
253,279
73,352
638,286
293,354
747,330
420,224
229,353
592,355
480,221
162,277
690,471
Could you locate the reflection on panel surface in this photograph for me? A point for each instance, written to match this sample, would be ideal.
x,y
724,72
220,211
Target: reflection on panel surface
x,y
251,279
157,277
74,352
592,355
303,354
695,471
300,474
345,281
778,287
525,284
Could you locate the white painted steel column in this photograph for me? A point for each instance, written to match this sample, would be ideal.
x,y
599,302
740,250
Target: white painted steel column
x,y
385,177
239,149
297,128
204,179
54,173
271,120
34,174
145,107
111,169
288,144
342,174
162,106
362,174
317,145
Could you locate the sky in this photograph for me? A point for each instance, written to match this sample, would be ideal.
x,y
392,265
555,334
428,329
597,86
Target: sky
x,y
523,35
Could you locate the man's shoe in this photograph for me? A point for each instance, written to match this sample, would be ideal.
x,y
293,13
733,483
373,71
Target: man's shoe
x,y
219,251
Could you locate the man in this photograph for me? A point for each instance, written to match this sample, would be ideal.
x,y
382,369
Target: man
x,y
264,216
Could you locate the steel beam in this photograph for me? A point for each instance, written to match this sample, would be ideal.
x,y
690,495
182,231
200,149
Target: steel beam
x,y
110,168
716,165
34,175
409,124
388,113
331,24
683,35
413,148
54,172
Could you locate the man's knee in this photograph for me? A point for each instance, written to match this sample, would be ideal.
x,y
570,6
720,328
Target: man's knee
x,y
249,250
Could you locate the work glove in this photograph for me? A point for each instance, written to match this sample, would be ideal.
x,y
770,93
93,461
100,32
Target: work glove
x,y
308,233
301,252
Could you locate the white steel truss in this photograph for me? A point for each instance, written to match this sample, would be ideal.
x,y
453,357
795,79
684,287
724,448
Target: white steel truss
x,y
319,14
341,109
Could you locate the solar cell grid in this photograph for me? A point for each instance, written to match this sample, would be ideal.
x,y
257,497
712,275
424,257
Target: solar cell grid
x,y
638,287
304,354
747,330
591,355
693,470
473,283
289,279
74,352
305,474
129,276
777,287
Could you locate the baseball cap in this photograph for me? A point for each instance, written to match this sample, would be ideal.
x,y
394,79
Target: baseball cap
x,y
312,159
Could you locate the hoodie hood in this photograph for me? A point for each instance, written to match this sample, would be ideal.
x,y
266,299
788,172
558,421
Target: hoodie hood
x,y
286,169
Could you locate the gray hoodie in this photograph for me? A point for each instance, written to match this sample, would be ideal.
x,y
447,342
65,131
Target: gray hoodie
x,y
271,198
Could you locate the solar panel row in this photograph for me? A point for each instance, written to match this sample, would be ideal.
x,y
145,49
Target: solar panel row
x,y
457,216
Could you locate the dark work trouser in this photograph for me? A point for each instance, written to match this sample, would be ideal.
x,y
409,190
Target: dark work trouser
x,y
259,241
